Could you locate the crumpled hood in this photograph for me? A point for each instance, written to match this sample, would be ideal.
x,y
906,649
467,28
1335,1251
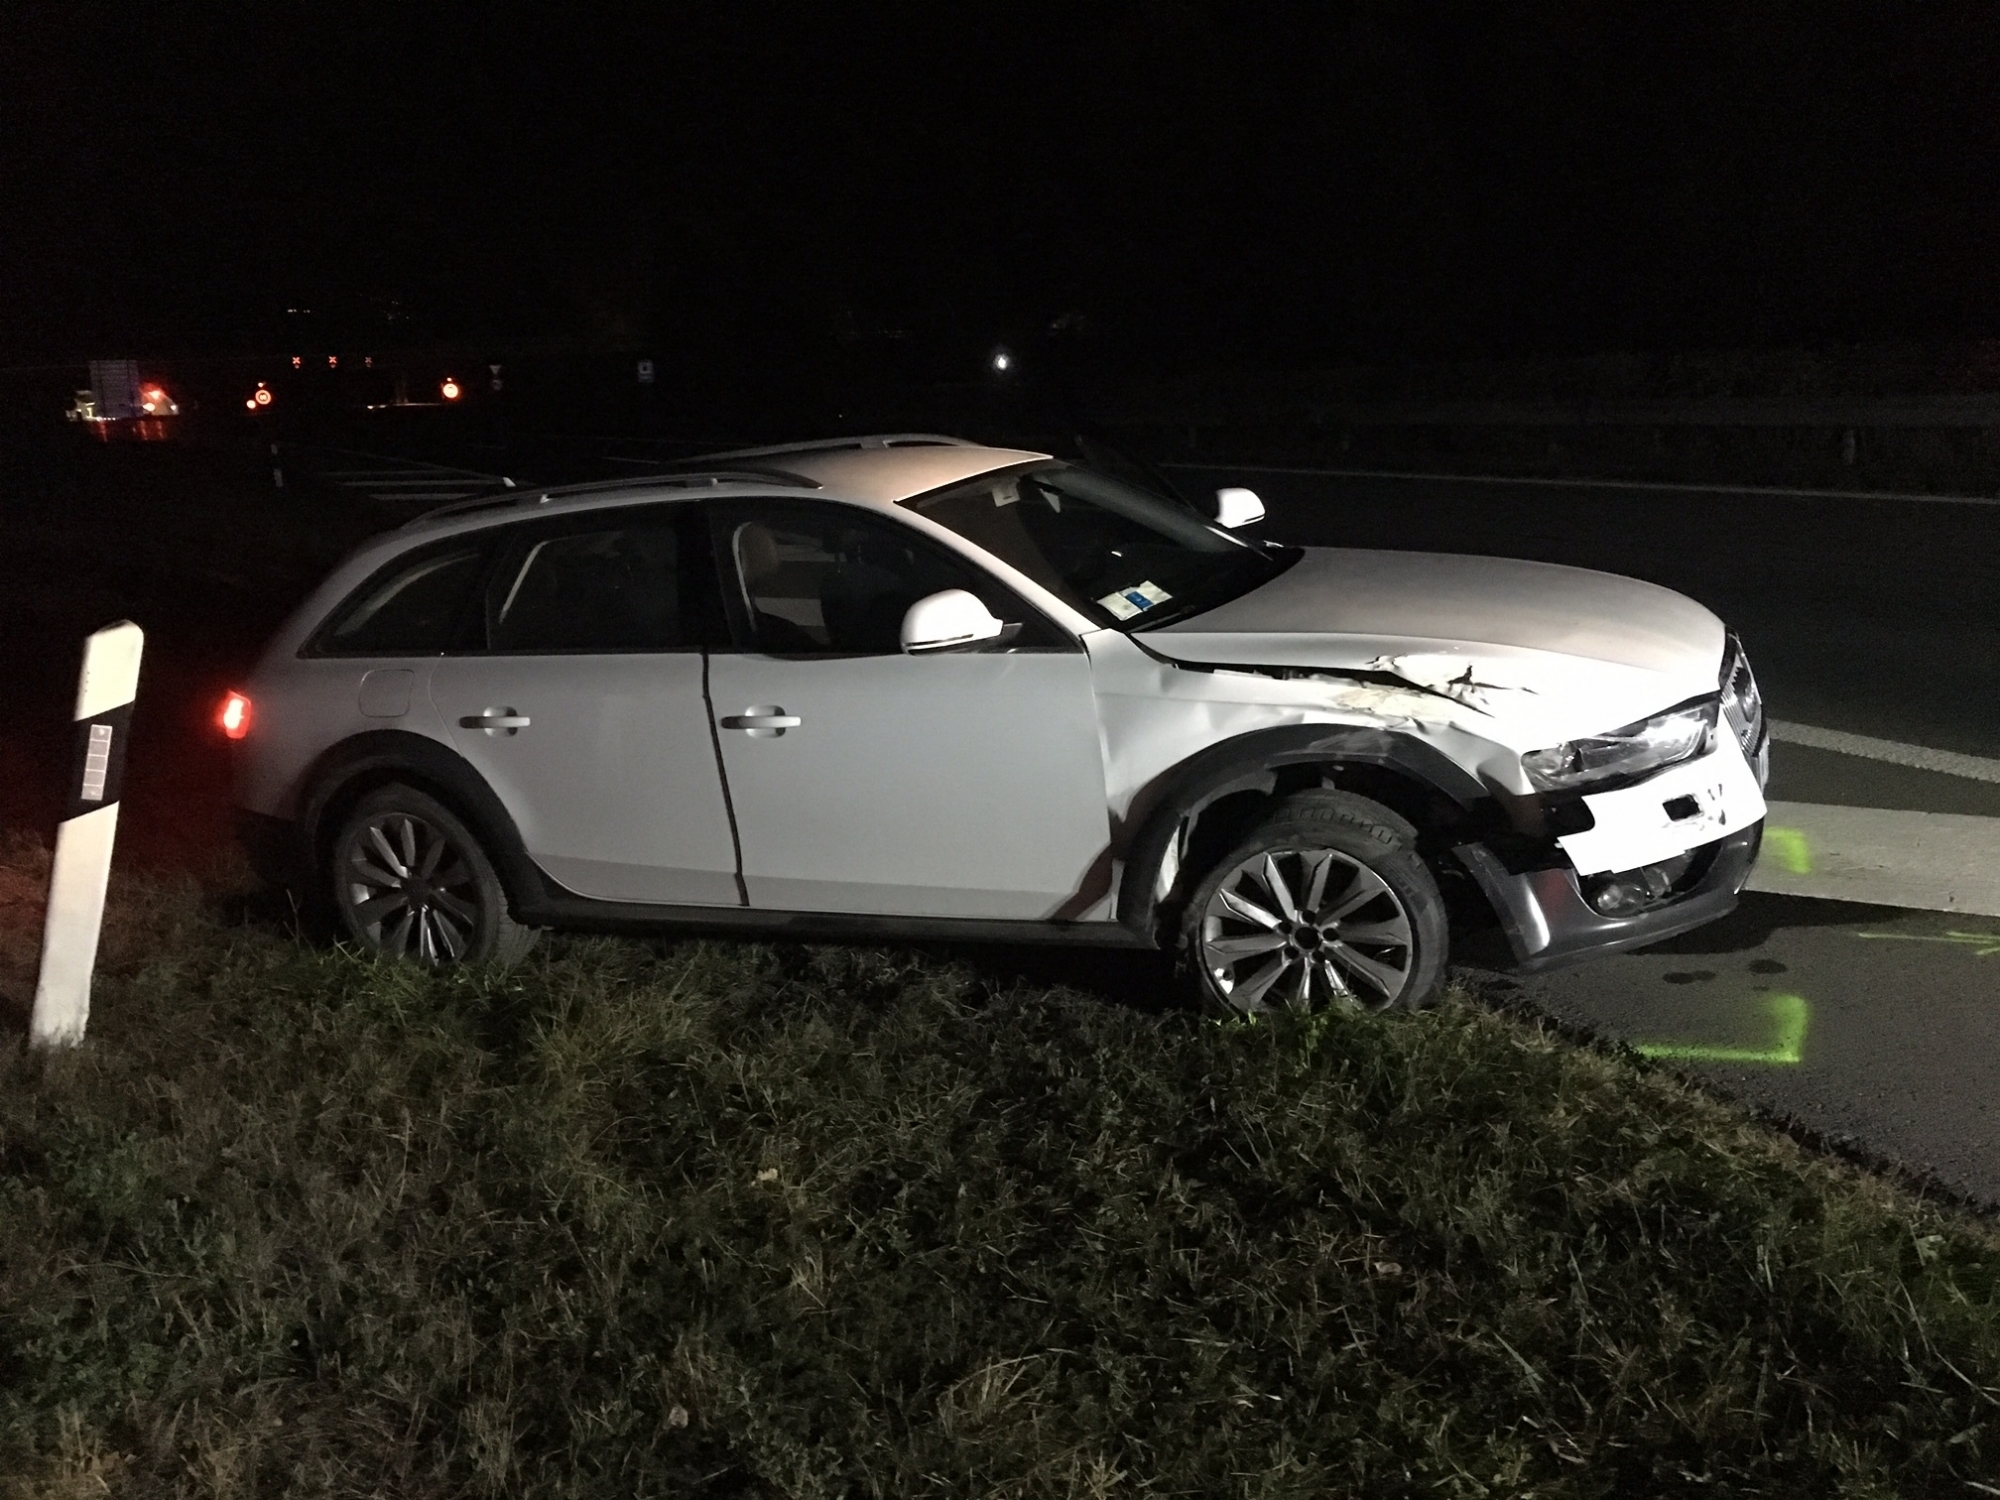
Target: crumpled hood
x,y
1567,647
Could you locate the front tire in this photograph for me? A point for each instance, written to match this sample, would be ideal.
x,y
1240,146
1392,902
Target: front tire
x,y
1325,901
410,880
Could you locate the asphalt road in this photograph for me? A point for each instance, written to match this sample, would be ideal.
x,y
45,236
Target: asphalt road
x,y
1872,1022
1868,1025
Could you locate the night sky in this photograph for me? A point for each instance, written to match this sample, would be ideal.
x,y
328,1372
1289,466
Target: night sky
x,y
1262,184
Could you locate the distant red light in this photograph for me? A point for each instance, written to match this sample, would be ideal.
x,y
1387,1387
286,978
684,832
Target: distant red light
x,y
297,362
233,718
263,396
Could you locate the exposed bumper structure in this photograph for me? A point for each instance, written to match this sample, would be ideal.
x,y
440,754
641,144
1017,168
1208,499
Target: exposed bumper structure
x,y
1549,923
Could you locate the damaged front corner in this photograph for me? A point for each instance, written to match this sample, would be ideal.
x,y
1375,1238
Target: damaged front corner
x,y
1669,813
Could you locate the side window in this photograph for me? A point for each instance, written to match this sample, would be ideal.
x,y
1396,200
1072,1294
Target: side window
x,y
834,580
412,607
637,580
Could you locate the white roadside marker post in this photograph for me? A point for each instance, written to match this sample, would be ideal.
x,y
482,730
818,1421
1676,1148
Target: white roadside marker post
x,y
82,864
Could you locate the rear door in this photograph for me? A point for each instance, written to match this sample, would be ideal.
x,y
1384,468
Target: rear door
x,y
582,705
865,780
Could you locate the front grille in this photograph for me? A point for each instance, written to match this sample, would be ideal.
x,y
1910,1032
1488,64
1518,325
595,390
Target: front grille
x,y
1742,704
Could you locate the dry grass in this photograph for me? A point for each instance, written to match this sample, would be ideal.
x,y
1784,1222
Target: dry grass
x,y
749,1220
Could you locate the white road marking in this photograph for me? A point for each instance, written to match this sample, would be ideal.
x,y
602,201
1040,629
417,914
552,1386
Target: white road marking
x,y
1593,484
1919,757
1882,857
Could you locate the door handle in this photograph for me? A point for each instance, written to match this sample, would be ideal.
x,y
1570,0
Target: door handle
x,y
496,721
762,722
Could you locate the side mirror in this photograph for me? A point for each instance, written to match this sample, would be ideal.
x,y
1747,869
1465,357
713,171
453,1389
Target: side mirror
x,y
1236,507
950,620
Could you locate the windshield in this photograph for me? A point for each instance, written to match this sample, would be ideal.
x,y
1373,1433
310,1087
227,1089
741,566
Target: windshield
x,y
1110,550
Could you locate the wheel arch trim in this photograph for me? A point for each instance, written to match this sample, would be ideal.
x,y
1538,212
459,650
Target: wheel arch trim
x,y
377,757
1251,763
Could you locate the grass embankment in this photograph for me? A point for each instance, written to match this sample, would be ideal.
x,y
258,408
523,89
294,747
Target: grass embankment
x,y
746,1220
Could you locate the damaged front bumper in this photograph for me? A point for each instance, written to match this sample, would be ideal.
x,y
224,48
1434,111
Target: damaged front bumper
x,y
1549,922
1672,811
1648,862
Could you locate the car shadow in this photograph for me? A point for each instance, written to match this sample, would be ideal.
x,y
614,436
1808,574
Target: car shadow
x,y
1138,979
1758,915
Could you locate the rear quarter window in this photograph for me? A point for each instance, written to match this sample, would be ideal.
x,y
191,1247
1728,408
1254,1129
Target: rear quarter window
x,y
413,606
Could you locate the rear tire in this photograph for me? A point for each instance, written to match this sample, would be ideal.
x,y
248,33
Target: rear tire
x,y
409,880
1324,901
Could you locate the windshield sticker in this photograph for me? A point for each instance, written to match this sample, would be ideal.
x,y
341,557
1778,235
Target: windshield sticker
x,y
1136,600
1006,492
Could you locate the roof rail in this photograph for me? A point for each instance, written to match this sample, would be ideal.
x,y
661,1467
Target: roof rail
x,y
496,497
524,496
835,445
677,476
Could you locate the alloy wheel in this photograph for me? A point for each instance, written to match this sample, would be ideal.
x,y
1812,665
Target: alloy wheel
x,y
410,889
1292,928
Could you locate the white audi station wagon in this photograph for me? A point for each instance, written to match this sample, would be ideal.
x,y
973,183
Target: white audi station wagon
x,y
907,686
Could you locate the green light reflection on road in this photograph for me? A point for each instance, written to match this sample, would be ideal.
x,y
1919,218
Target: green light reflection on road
x,y
1789,847
1982,944
1789,1017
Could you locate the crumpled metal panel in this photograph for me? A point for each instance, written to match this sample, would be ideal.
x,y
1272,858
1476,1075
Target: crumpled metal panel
x,y
1154,714
1547,653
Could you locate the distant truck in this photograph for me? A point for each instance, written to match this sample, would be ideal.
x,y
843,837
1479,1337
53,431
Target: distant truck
x,y
119,405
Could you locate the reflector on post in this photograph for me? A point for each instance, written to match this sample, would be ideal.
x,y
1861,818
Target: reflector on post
x,y
82,865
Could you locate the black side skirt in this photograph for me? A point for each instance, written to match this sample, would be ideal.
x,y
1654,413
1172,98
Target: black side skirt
x,y
558,908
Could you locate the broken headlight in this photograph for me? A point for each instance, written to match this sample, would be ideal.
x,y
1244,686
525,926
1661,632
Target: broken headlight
x,y
1623,754
1742,704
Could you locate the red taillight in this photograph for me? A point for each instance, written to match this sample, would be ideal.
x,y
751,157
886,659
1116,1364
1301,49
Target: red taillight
x,y
233,718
